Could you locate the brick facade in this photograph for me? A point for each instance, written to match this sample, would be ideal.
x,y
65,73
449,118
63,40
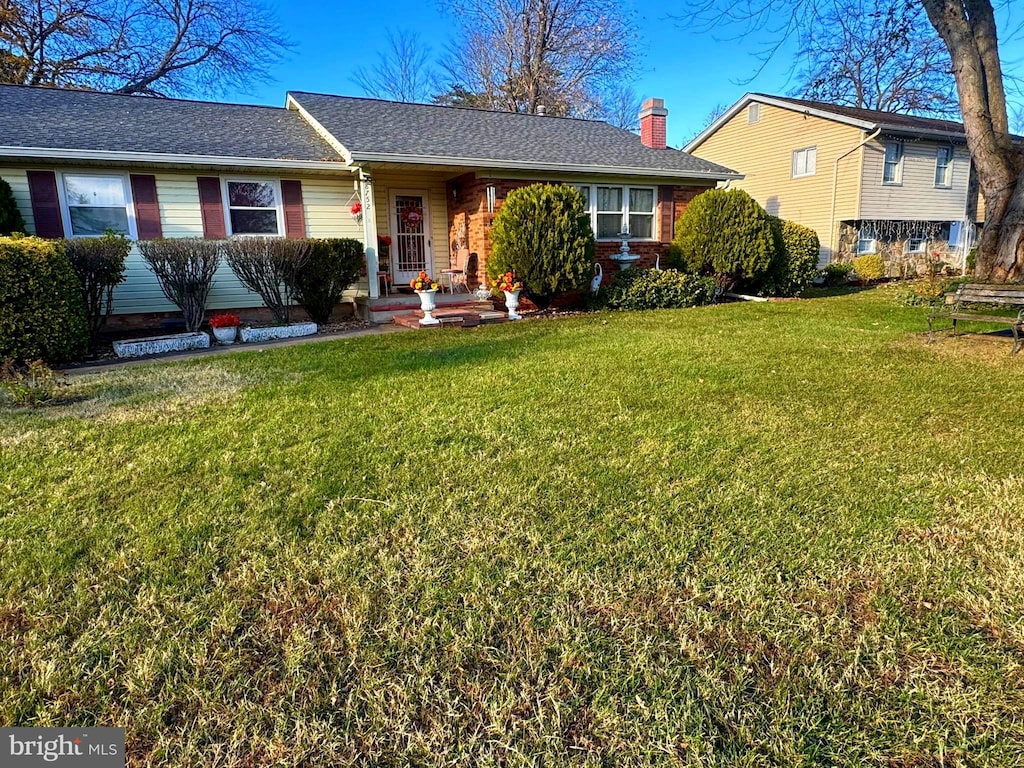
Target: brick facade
x,y
469,223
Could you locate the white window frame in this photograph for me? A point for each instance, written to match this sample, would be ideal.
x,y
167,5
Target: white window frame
x,y
276,183
921,240
947,179
807,153
625,209
897,180
753,113
65,207
873,239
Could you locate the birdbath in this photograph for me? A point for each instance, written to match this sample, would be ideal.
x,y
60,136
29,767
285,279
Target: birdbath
x,y
624,257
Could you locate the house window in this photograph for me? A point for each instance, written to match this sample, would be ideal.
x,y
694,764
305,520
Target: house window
x,y
805,162
253,207
944,167
753,114
615,209
97,203
892,173
866,240
917,243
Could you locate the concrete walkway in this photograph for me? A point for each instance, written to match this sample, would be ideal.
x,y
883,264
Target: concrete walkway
x,y
170,357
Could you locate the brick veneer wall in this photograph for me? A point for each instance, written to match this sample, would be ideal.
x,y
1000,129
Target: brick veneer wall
x,y
467,196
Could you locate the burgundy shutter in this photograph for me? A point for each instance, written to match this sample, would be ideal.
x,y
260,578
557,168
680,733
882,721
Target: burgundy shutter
x,y
294,216
42,188
212,208
666,212
147,209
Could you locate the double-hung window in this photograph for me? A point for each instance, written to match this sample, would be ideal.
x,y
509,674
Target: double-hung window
x,y
254,207
892,173
866,240
95,203
944,167
805,162
615,209
917,242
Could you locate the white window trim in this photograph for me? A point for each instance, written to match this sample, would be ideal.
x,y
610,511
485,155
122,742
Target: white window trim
x,y
65,208
801,150
898,181
917,236
625,209
276,183
949,168
862,239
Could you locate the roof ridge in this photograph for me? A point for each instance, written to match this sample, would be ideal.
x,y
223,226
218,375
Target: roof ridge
x,y
826,105
141,97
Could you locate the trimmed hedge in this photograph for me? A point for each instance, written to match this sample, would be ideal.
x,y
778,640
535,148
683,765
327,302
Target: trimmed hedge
x,y
333,266
11,220
836,273
655,289
542,233
869,267
798,262
42,315
725,233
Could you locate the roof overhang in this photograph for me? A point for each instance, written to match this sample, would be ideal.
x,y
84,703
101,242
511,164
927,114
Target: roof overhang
x,y
162,158
517,165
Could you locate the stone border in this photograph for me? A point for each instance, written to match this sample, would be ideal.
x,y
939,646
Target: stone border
x,y
257,335
155,345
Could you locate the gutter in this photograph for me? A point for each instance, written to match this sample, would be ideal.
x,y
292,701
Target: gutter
x,y
835,181
46,153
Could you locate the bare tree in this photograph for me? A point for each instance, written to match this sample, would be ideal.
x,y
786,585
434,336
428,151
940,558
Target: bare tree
x,y
876,54
152,47
968,30
403,71
269,266
519,55
716,112
185,268
620,106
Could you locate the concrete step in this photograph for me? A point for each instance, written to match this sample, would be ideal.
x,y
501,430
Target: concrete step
x,y
454,317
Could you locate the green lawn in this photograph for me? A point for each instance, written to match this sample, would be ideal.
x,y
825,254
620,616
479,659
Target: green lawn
x,y
743,535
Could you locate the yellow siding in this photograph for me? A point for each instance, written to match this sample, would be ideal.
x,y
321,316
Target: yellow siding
x,y
917,198
385,182
326,203
763,152
18,180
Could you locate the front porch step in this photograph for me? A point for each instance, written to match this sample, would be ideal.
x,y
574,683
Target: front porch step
x,y
454,317
386,308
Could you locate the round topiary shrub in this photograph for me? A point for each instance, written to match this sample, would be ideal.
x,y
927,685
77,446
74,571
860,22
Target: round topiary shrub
x,y
869,267
542,233
726,234
798,263
11,220
42,315
656,289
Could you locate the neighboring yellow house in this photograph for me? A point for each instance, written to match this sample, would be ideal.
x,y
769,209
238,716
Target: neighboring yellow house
x,y
865,181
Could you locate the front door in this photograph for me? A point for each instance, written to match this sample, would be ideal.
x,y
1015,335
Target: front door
x,y
410,224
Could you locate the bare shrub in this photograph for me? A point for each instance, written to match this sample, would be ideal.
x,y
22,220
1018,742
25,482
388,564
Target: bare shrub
x,y
269,266
185,267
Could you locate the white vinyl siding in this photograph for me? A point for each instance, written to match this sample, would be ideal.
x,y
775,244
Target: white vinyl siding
x,y
805,162
917,198
18,180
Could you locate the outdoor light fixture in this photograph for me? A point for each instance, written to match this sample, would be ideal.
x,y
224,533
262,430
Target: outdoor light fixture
x,y
492,194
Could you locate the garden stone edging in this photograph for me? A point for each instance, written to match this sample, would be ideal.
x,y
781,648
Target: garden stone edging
x,y
155,345
249,335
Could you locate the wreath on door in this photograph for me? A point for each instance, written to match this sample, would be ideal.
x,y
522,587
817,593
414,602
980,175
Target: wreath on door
x,y
412,215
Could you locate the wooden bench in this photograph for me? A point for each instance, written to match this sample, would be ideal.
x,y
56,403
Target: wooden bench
x,y
980,293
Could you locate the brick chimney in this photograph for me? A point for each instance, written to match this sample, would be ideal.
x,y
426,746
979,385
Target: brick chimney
x,y
652,124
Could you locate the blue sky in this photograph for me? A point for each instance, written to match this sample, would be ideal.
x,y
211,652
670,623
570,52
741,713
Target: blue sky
x,y
690,70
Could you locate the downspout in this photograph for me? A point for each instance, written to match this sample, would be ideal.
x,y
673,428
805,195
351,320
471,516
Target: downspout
x,y
835,183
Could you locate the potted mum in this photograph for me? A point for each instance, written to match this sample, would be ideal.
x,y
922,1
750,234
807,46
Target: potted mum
x,y
511,287
426,288
225,327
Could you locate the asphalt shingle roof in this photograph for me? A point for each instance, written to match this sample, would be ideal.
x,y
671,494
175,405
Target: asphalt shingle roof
x,y
370,126
876,117
84,120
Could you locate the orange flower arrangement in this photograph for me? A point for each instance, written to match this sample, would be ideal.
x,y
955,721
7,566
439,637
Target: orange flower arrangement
x,y
507,282
423,282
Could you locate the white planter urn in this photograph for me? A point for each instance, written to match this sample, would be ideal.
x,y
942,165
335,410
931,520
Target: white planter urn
x,y
428,305
512,305
225,335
